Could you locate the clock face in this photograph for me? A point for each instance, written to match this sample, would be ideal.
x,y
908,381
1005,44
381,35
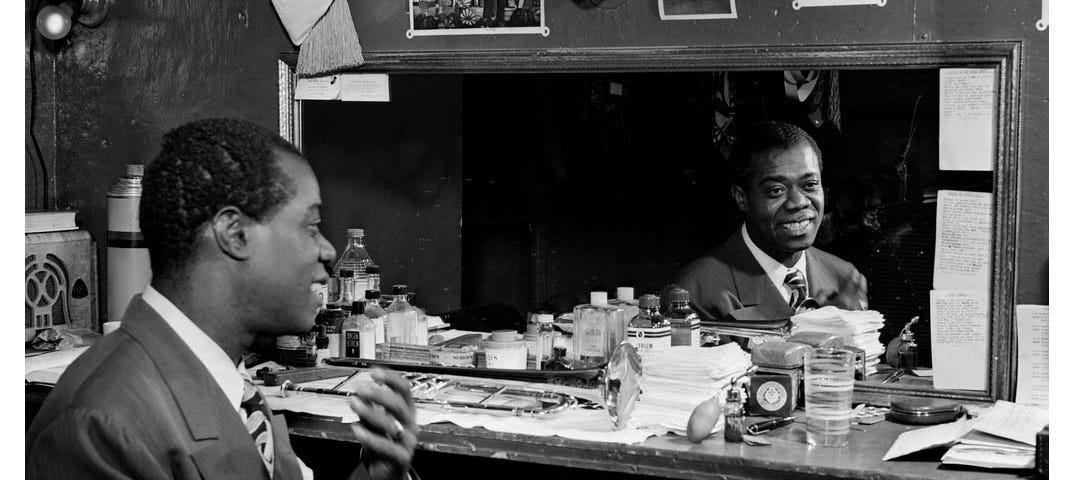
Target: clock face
x,y
771,396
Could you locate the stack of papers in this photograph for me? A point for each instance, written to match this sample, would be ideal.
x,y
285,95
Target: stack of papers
x,y
1004,436
675,381
859,329
46,368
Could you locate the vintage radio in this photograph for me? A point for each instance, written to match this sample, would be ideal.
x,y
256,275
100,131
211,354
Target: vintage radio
x,y
61,281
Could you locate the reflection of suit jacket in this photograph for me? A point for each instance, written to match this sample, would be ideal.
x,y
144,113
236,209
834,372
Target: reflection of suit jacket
x,y
140,405
729,278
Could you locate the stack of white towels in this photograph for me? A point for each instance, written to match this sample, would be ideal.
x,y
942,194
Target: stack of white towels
x,y
675,381
859,328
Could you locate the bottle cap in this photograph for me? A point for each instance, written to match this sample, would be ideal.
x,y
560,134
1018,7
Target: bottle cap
x,y
598,298
624,293
371,294
398,289
357,306
135,170
372,268
504,336
355,231
679,295
649,301
544,318
346,272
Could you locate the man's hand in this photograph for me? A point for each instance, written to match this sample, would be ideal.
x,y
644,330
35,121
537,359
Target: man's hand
x,y
387,429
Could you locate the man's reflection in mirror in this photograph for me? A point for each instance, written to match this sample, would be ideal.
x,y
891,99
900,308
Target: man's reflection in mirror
x,y
770,261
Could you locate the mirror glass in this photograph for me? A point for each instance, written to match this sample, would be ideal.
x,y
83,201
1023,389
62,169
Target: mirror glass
x,y
525,191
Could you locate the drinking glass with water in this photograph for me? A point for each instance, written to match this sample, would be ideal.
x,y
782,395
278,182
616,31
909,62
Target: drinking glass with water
x,y
829,386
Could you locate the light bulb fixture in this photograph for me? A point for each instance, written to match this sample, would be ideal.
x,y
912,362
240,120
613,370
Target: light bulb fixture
x,y
54,20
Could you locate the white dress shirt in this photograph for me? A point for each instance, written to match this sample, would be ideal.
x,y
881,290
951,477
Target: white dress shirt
x,y
226,374
776,271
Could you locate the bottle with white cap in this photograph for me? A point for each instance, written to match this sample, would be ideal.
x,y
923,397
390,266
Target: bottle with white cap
x,y
593,323
624,298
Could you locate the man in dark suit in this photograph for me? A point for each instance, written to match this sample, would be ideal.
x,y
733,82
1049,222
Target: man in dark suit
x,y
770,263
230,215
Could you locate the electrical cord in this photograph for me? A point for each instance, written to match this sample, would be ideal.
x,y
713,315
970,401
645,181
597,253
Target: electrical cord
x,y
30,29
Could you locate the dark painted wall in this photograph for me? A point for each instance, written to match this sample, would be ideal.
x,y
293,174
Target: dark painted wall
x,y
157,64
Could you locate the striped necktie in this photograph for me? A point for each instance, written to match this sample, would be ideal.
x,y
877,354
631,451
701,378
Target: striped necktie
x,y
800,300
255,414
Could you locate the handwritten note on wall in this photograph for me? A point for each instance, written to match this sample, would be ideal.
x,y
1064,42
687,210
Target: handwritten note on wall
x,y
960,337
1032,354
963,240
967,119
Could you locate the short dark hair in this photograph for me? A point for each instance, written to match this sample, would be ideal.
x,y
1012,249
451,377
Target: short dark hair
x,y
204,166
761,137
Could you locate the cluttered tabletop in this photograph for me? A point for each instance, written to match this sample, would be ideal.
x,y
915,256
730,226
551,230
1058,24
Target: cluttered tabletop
x,y
674,456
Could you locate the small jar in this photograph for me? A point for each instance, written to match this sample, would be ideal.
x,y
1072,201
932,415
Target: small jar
x,y
505,350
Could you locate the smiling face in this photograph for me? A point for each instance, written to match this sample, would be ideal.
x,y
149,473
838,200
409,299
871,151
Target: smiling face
x,y
783,201
290,254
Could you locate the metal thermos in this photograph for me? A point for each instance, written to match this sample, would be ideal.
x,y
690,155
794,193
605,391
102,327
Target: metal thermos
x,y
128,257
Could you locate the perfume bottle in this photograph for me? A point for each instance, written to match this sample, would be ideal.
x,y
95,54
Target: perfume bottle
x,y
624,298
908,348
733,415
593,323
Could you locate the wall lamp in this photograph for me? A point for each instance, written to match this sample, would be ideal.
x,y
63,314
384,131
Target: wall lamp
x,y
54,19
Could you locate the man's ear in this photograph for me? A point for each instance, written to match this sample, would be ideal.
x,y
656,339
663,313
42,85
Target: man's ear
x,y
230,231
740,198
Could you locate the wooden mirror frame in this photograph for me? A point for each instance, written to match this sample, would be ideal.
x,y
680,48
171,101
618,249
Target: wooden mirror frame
x,y
1005,57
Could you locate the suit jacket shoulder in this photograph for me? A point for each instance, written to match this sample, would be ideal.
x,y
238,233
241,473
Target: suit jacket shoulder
x,y
140,405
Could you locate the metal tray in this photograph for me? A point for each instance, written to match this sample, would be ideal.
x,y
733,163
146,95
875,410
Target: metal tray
x,y
584,378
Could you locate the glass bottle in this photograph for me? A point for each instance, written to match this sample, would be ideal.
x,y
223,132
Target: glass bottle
x,y
322,343
376,313
346,288
685,325
624,298
402,323
907,350
593,323
649,330
359,334
372,273
733,415
559,360
355,258
545,337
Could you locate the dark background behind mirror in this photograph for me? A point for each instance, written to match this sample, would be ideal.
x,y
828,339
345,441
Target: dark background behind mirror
x,y
531,190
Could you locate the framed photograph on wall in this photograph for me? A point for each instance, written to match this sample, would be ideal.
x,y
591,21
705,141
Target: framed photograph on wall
x,y
697,9
476,17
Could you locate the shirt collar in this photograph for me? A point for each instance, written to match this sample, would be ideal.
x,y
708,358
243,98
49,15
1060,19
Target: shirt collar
x,y
776,271
223,370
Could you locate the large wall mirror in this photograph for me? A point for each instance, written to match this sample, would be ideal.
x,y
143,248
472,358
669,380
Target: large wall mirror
x,y
526,179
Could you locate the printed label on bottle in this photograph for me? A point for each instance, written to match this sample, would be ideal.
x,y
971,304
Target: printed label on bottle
x,y
650,339
695,333
358,344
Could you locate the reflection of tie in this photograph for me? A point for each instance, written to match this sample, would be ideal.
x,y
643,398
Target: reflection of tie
x,y
799,300
255,414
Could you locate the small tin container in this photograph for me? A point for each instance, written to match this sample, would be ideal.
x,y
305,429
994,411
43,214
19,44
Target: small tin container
x,y
923,411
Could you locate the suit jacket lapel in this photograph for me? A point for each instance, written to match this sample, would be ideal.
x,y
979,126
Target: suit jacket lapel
x,y
752,283
817,273
215,427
